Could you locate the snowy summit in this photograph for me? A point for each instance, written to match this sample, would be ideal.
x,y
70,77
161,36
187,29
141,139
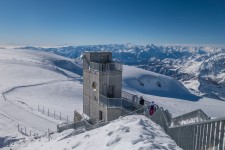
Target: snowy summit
x,y
131,132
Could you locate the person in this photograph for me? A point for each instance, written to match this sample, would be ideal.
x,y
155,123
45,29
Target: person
x,y
146,107
142,101
153,108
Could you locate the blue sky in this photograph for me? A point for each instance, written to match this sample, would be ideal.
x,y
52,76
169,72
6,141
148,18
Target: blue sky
x,y
83,22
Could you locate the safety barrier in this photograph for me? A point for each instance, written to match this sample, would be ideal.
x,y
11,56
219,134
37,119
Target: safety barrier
x,y
207,134
86,125
53,114
106,67
191,117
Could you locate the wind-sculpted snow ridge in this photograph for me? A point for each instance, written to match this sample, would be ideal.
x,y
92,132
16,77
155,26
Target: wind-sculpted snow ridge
x,y
199,68
131,132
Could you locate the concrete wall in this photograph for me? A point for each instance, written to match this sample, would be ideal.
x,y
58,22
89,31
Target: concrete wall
x,y
103,81
101,57
94,94
94,78
94,111
86,95
104,113
113,113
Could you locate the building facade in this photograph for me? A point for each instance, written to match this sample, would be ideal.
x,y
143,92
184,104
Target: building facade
x,y
102,86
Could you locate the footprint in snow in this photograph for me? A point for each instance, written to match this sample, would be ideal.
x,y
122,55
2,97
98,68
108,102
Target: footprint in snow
x,y
137,141
110,133
87,136
76,145
113,141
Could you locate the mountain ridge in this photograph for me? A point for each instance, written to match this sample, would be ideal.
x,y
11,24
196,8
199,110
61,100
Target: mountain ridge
x,y
203,66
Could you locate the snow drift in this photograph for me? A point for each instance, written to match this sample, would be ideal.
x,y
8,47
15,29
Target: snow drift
x,y
131,132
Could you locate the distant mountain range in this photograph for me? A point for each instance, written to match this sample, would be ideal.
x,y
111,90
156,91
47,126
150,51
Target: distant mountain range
x,y
200,69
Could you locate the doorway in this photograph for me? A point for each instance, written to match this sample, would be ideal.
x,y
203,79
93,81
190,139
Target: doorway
x,y
100,115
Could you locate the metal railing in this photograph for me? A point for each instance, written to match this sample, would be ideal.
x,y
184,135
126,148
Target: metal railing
x,y
110,102
54,114
208,134
131,97
106,67
191,117
76,125
125,103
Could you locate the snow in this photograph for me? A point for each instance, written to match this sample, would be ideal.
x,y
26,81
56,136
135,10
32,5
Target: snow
x,y
192,84
183,62
131,132
152,83
171,95
30,78
59,96
191,67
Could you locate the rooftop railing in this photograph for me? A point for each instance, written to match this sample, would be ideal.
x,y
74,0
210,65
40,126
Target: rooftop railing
x,y
106,67
110,102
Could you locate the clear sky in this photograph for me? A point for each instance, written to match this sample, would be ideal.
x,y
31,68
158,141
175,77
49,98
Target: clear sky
x,y
83,22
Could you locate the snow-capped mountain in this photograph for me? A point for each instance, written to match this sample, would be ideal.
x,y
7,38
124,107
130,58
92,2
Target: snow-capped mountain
x,y
200,69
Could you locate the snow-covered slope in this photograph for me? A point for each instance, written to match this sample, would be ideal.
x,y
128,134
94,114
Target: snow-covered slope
x,y
151,83
200,69
170,94
132,132
29,79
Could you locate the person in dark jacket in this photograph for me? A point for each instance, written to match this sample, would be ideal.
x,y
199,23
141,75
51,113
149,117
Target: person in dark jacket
x,y
142,101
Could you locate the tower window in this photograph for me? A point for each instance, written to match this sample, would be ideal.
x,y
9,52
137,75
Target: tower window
x,y
94,86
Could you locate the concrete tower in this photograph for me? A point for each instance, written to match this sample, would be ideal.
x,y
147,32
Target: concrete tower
x,y
102,86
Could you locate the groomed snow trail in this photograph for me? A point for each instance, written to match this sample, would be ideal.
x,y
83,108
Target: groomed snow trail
x,y
20,115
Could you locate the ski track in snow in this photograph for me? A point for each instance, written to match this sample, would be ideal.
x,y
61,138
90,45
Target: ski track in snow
x,y
18,71
24,116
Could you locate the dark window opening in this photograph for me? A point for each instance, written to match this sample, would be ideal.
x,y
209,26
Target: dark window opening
x,y
100,115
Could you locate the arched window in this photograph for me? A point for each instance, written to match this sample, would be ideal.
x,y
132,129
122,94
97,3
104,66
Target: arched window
x,y
94,86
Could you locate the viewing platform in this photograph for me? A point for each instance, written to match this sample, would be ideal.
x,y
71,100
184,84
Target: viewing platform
x,y
104,67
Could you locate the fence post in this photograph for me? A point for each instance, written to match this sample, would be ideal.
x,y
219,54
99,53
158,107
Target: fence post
x,y
18,126
48,111
48,135
30,132
60,116
38,107
25,130
54,113
67,119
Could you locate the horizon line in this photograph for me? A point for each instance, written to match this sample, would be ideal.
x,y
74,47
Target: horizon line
x,y
14,45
